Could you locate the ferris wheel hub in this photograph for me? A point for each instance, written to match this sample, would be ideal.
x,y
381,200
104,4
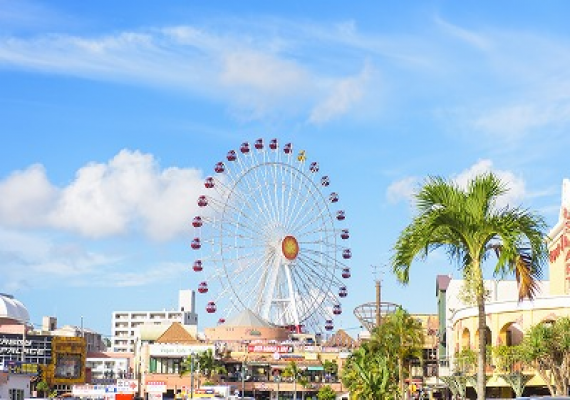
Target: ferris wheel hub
x,y
290,247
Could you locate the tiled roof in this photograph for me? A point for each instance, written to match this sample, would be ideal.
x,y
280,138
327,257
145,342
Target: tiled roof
x,y
341,339
177,334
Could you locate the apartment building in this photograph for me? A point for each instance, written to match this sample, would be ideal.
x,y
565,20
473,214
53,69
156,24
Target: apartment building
x,y
126,323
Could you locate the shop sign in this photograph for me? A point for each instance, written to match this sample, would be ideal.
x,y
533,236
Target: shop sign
x,y
88,390
126,385
269,349
156,386
11,344
330,349
292,356
177,350
563,243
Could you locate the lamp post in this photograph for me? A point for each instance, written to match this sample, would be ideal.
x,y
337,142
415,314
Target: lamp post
x,y
192,375
243,372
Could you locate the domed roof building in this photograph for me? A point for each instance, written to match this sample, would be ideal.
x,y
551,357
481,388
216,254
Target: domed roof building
x,y
12,311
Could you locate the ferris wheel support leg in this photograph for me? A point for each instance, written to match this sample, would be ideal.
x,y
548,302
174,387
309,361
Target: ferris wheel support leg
x,y
292,298
272,282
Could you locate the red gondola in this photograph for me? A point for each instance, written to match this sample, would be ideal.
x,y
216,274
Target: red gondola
x,y
333,197
211,307
220,167
202,201
325,181
209,182
329,325
203,287
314,167
231,156
221,321
340,215
197,266
196,244
259,144
273,144
337,310
346,254
244,148
346,273
197,222
344,234
288,148
342,292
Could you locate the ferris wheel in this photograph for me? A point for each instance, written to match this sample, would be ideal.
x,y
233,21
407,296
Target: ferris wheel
x,y
267,239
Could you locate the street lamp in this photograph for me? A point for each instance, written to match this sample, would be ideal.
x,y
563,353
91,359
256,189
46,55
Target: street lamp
x,y
243,372
278,379
192,375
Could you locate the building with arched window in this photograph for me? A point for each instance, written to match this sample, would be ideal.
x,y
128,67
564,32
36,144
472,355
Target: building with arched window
x,y
507,318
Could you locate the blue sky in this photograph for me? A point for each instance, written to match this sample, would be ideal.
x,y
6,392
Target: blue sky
x,y
112,113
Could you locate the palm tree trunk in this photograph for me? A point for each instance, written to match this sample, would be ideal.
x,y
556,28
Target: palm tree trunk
x,y
482,356
401,378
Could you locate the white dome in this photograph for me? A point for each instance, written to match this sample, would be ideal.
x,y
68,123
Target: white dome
x,y
12,309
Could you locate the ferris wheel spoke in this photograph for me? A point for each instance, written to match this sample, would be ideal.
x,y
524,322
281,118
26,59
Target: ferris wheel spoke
x,y
255,185
319,265
321,243
312,270
308,294
312,215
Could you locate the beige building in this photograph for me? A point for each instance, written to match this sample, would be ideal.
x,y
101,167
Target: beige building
x,y
507,318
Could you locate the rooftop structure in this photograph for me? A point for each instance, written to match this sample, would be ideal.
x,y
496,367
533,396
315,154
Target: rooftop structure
x,y
12,310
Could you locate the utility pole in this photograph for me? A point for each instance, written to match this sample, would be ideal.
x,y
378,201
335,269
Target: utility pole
x,y
377,272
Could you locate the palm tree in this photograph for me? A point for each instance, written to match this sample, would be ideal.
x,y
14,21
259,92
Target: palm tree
x,y
293,370
404,336
330,367
469,226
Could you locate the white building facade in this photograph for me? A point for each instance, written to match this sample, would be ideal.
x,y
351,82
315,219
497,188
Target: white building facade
x,y
125,324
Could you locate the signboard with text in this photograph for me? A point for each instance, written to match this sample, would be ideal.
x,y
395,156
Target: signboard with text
x,y
269,349
177,350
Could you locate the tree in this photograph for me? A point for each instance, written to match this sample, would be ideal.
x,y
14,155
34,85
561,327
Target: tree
x,y
369,375
546,346
403,336
330,368
509,361
43,387
469,226
304,382
292,370
326,393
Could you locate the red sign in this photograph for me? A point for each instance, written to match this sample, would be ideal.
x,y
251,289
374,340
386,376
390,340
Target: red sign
x,y
563,243
269,349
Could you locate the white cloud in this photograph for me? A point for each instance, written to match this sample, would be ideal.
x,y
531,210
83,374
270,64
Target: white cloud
x,y
474,39
27,196
30,261
129,192
512,122
403,189
515,184
344,95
